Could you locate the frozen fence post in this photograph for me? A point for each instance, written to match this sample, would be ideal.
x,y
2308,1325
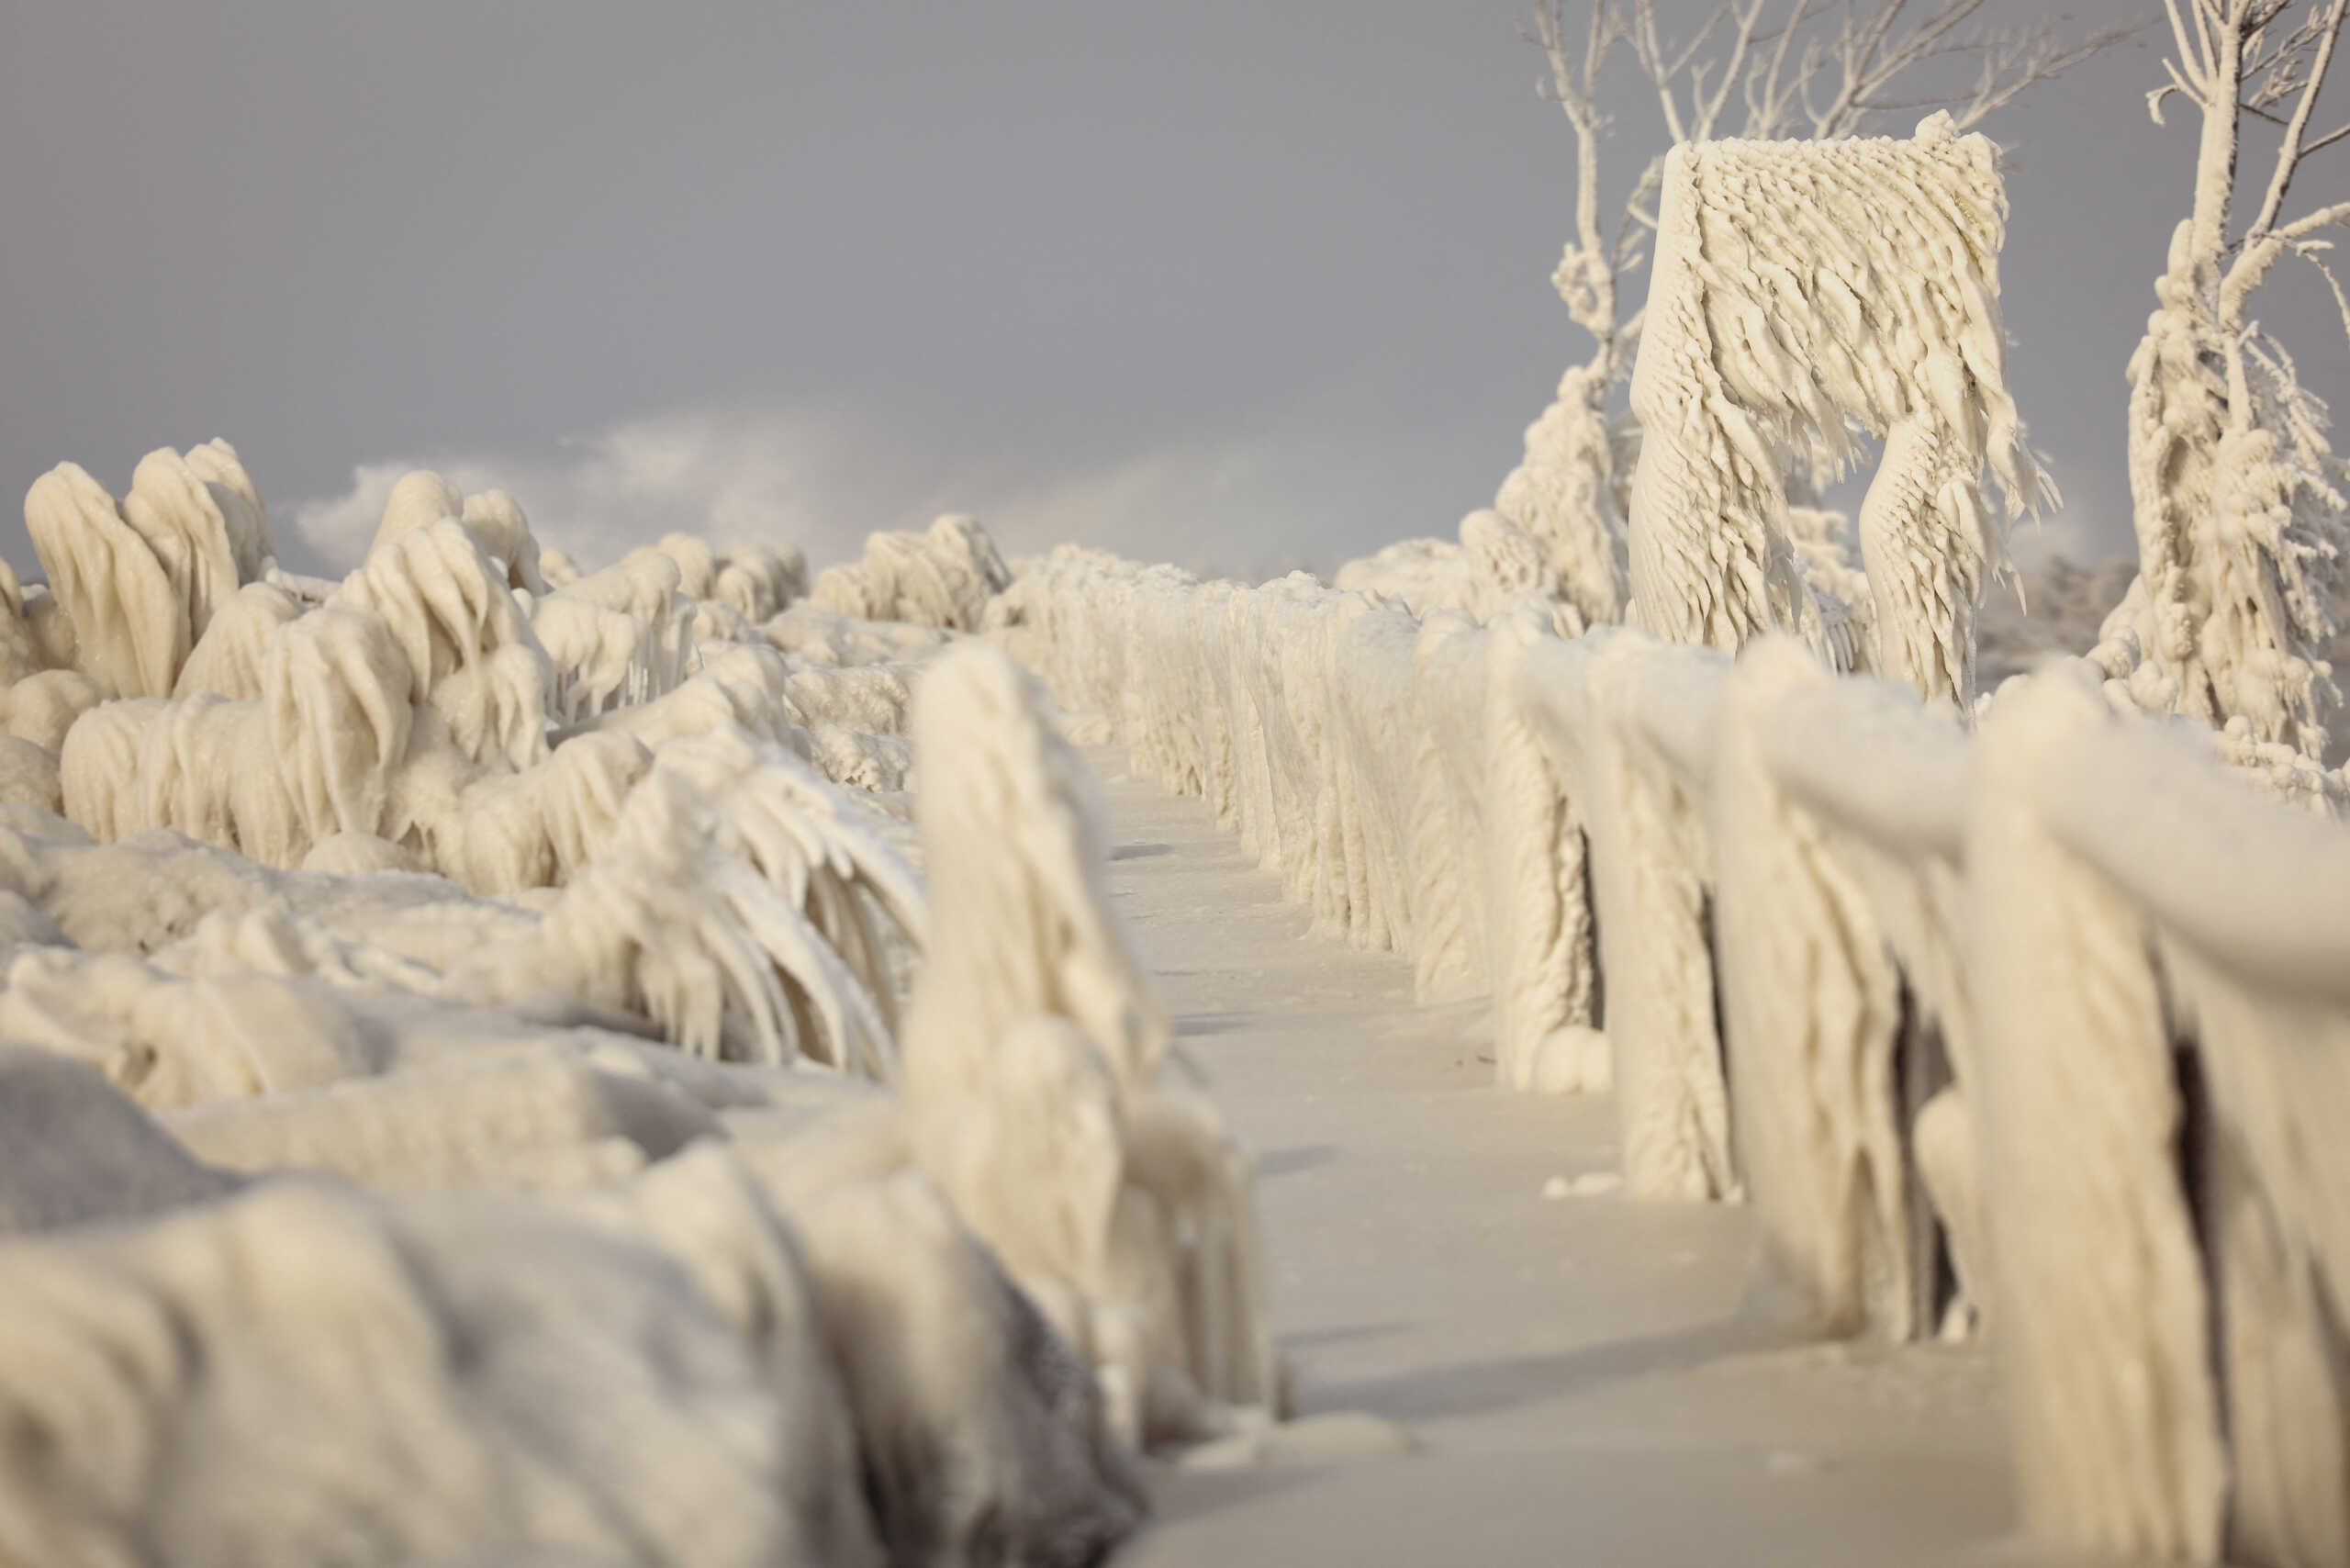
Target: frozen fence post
x,y
1828,795
2162,968
1031,1082
1545,961
2102,1319
1374,720
1448,834
1646,731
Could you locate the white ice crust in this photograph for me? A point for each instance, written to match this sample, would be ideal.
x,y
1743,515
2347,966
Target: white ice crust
x,y
495,1069
2040,1030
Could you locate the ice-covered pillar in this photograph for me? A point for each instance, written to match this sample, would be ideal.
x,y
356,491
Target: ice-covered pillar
x,y
1648,722
1545,962
1800,288
1822,1096
2100,1309
1451,956
1031,1073
2161,961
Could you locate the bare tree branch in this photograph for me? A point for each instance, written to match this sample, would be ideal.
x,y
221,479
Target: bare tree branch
x,y
1666,65
2325,31
2009,66
1587,274
2328,140
1820,67
2178,34
2323,218
2180,84
2311,253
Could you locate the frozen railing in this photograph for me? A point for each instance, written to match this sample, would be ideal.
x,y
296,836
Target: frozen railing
x,y
1836,957
1839,823
1635,741
2160,967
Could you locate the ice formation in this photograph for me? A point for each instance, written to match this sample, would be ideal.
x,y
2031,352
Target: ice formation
x,y
942,577
675,1011
1643,753
1496,567
1033,1086
1563,493
535,987
1800,286
1381,764
1835,827
2241,509
2031,1032
2165,998
674,1370
699,873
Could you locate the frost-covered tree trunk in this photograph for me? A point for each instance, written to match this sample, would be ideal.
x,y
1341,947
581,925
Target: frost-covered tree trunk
x,y
1799,287
1565,491
2237,501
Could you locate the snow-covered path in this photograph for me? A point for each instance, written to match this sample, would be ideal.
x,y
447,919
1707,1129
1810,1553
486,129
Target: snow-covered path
x,y
1589,1380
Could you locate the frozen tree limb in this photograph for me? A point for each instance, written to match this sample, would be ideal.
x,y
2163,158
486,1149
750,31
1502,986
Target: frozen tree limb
x,y
2238,502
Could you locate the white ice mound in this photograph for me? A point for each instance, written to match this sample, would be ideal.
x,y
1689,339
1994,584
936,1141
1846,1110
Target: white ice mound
x,y
303,1374
564,915
1032,1088
713,881
78,1151
942,577
1495,567
140,583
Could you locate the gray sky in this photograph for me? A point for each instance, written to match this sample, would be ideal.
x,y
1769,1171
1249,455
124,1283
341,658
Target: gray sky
x,y
1229,283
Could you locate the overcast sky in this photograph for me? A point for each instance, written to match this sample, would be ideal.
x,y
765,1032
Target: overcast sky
x,y
1232,283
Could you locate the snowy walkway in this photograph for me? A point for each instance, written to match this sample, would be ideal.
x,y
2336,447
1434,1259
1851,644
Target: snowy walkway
x,y
1585,1376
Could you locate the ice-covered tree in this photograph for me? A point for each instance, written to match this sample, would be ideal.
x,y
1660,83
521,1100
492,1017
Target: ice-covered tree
x,y
1757,68
2238,502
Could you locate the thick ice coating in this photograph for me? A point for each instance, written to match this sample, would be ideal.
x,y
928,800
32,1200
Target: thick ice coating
x,y
1032,1082
369,879
1798,286
2030,1034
